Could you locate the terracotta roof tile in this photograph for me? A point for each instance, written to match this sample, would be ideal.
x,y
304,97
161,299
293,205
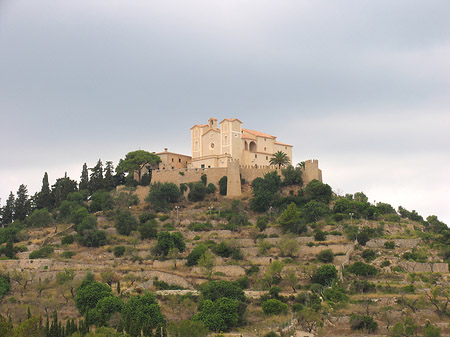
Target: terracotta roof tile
x,y
231,120
259,134
248,137
278,143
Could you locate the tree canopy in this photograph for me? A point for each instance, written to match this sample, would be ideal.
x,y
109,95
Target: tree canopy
x,y
136,161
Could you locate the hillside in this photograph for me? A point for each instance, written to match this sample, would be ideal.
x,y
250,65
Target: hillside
x,y
310,263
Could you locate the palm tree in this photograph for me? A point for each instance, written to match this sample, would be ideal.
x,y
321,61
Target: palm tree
x,y
301,165
279,158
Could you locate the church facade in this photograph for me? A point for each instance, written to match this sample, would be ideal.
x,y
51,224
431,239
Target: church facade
x,y
215,145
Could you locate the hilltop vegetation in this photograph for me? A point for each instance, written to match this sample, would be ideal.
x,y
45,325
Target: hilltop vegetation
x,y
110,256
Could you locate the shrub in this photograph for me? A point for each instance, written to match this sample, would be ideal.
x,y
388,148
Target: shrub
x,y
148,229
42,253
198,227
389,245
211,188
68,254
217,289
67,239
195,254
326,256
39,218
325,275
163,194
125,222
318,191
290,220
359,322
144,217
320,235
168,241
252,270
5,284
271,334
223,185
197,192
262,222
119,251
361,269
204,179
385,263
92,238
274,307
292,176
369,255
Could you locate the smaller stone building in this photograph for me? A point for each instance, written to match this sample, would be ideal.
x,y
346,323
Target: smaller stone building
x,y
170,160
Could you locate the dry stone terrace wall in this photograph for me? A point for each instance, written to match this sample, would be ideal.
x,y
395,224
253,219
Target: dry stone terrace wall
x,y
400,243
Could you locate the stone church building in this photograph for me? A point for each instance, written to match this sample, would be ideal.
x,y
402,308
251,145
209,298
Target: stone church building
x,y
214,146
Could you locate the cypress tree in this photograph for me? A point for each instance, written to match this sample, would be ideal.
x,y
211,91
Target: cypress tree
x,y
8,210
28,313
22,205
118,287
96,178
9,250
44,197
109,182
84,179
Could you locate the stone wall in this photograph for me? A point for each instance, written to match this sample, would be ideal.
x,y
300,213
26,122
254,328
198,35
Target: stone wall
x,y
399,243
416,267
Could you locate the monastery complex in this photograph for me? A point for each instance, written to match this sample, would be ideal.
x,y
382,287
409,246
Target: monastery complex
x,y
227,150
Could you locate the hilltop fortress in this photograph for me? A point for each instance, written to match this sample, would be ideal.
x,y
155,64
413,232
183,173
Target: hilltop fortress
x,y
230,151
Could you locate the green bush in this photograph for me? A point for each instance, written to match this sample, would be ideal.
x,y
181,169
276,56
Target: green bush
x,y
148,229
320,235
361,269
389,245
385,263
163,194
67,239
5,284
68,254
211,188
325,275
119,251
326,256
369,255
125,223
197,192
168,241
200,226
195,254
42,253
223,185
39,218
274,307
359,322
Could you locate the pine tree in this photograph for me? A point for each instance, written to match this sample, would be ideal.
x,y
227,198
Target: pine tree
x,y
22,205
84,179
44,197
9,249
96,178
8,210
109,182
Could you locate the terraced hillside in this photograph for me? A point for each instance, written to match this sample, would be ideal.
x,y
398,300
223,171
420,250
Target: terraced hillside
x,y
308,263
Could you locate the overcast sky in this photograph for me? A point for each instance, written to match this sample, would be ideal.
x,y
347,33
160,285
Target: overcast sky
x,y
363,86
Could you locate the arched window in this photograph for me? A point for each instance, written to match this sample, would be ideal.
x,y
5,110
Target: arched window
x,y
246,146
252,147
225,140
196,146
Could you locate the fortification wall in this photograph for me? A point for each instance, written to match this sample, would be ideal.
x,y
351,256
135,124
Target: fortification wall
x,y
184,175
250,173
311,171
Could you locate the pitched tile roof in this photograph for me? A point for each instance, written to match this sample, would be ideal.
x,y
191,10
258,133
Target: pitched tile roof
x,y
259,134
